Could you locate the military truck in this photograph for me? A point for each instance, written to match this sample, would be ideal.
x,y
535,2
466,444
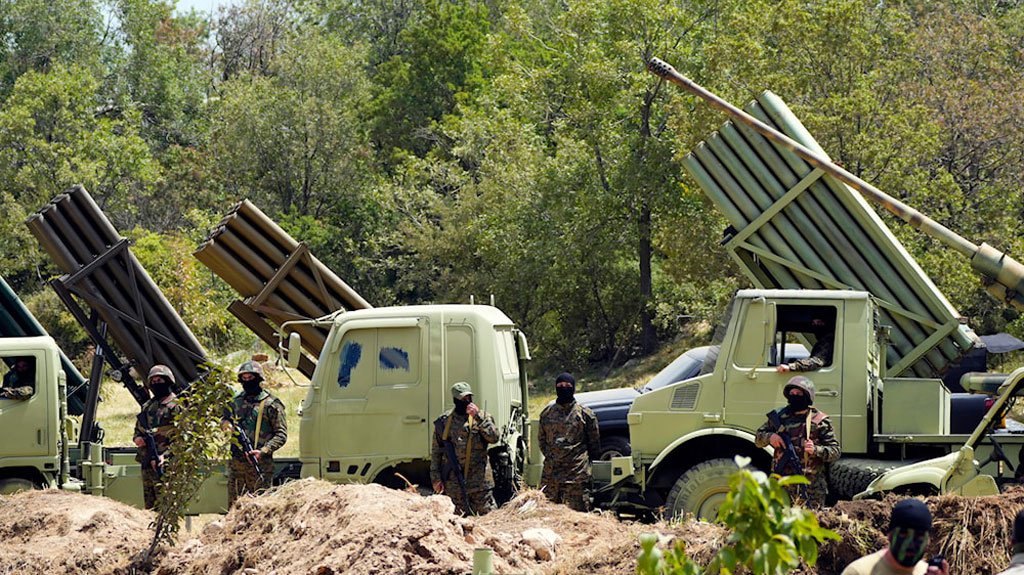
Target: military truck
x,y
802,232
385,374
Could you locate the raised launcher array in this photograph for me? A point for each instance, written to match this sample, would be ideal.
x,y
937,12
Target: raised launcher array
x,y
278,278
101,270
17,321
798,227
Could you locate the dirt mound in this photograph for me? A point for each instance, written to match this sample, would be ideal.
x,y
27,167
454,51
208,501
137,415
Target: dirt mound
x,y
313,527
60,532
973,533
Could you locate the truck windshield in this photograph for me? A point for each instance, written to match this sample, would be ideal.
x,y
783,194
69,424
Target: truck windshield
x,y
683,367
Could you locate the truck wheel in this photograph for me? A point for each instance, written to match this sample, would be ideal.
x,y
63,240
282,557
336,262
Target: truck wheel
x,y
849,476
701,490
614,446
11,485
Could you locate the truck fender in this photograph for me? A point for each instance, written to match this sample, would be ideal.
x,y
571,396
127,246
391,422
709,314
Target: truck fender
x,y
727,431
955,472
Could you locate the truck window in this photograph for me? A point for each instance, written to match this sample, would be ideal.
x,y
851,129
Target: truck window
x,y
750,344
811,325
355,363
19,377
507,353
459,365
398,356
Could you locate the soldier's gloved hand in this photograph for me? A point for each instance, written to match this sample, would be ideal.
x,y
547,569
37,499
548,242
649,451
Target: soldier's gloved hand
x,y
472,410
439,487
808,447
776,441
140,442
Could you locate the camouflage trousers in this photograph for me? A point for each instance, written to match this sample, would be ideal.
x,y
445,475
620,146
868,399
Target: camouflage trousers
x,y
149,487
480,499
243,479
575,494
816,492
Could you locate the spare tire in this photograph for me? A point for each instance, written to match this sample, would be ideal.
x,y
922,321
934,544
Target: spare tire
x,y
849,476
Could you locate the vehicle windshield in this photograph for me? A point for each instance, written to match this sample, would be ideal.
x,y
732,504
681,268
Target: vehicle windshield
x,y
684,367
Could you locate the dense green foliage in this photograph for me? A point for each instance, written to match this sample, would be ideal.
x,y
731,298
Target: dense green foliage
x,y
430,150
768,536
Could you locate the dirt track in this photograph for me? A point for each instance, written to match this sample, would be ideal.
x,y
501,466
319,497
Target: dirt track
x,y
317,528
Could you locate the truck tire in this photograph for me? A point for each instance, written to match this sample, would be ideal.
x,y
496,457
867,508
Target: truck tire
x,y
701,490
10,485
614,446
849,476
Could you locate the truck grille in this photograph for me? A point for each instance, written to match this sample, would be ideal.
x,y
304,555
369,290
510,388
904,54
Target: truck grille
x,y
685,396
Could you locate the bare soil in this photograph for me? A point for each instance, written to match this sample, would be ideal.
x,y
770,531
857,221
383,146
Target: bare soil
x,y
316,528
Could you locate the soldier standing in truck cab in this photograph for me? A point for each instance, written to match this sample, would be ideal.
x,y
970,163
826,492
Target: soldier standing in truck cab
x,y
811,436
821,351
156,420
458,456
261,417
569,440
20,381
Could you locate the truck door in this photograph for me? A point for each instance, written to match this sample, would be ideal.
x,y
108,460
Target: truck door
x,y
377,409
25,424
753,385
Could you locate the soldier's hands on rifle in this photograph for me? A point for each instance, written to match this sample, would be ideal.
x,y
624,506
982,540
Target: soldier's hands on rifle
x,y
439,487
157,463
809,447
776,441
139,442
255,454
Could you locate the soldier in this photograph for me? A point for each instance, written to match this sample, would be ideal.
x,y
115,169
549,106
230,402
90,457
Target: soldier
x,y
569,440
811,436
1016,547
155,421
909,524
821,352
261,417
20,381
458,457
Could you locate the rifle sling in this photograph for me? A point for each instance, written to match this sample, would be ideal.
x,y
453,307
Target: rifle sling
x,y
259,422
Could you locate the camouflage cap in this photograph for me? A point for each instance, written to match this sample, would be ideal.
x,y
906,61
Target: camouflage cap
x,y
251,367
803,383
461,389
162,371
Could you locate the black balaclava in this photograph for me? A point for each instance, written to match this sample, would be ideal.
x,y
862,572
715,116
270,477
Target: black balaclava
x,y
160,386
251,387
798,402
564,395
1018,533
462,404
908,531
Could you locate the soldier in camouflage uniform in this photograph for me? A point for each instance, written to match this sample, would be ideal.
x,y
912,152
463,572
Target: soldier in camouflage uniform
x,y
157,419
811,435
20,381
821,352
468,430
569,440
252,409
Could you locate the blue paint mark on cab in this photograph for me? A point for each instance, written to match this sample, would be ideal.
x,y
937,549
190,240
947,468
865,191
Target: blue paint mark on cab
x,y
394,358
350,354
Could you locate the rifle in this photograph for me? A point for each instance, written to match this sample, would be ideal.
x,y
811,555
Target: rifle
x,y
152,456
246,444
453,463
789,455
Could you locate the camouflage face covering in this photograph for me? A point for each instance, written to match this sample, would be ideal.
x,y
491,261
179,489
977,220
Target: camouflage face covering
x,y
907,545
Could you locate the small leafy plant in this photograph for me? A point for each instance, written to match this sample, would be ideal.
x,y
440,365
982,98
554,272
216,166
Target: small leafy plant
x,y
769,536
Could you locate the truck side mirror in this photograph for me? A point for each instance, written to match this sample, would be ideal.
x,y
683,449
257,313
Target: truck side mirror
x,y
294,349
521,347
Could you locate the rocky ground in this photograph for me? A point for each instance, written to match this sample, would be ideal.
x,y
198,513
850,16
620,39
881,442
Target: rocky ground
x,y
316,528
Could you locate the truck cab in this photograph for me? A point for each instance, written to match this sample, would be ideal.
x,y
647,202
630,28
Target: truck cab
x,y
30,452
385,374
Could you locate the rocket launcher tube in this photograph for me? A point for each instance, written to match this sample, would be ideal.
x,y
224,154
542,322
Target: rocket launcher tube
x,y
1000,269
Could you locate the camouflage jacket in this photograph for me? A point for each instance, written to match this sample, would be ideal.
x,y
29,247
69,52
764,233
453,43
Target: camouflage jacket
x,y
273,432
16,387
821,355
826,446
569,440
460,432
159,418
